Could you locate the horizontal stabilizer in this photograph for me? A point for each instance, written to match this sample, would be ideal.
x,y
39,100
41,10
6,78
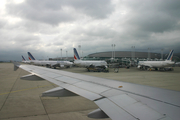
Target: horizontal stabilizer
x,y
31,77
97,114
58,92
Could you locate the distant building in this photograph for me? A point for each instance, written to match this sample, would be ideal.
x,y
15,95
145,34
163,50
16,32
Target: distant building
x,y
125,54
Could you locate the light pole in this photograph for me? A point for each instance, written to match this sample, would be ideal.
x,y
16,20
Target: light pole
x,y
162,54
82,54
149,53
61,54
112,50
66,54
79,50
133,52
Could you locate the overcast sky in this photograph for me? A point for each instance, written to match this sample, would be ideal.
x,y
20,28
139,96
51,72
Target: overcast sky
x,y
43,27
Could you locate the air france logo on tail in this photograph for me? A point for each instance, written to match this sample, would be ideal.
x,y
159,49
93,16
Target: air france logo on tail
x,y
23,58
30,56
170,55
76,56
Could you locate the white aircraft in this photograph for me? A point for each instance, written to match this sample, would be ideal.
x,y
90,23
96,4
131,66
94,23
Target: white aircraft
x,y
49,63
177,63
157,64
115,99
88,64
24,60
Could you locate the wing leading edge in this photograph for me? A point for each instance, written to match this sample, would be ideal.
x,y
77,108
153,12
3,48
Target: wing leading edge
x,y
132,102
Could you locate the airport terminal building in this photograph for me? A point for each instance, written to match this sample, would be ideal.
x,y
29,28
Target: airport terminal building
x,y
125,54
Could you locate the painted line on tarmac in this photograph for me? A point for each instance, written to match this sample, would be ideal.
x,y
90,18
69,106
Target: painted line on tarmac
x,y
24,89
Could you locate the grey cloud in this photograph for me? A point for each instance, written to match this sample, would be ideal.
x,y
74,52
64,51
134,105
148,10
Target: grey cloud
x,y
94,31
27,11
25,40
171,7
156,16
52,12
2,23
58,43
94,8
35,27
154,22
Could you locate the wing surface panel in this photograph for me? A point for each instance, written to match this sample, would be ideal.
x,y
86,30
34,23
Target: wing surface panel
x,y
87,94
51,75
92,87
69,80
57,82
39,71
27,68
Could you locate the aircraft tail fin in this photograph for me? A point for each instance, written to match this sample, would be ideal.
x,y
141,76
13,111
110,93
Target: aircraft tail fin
x,y
23,59
169,58
30,56
76,55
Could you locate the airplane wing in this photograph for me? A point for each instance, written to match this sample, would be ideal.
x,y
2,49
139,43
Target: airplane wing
x,y
117,100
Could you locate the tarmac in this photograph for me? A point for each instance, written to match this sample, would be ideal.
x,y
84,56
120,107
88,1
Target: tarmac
x,y
21,99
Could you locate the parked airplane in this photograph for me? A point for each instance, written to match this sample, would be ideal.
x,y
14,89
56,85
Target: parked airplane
x,y
88,64
49,63
177,64
157,64
24,60
115,99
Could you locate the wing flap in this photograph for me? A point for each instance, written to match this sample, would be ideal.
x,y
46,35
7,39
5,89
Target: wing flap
x,y
126,107
113,111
